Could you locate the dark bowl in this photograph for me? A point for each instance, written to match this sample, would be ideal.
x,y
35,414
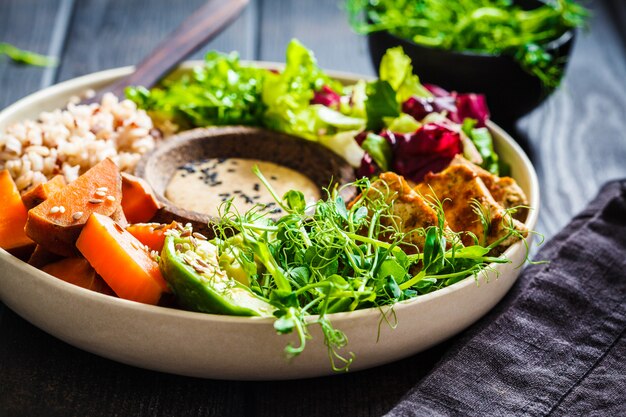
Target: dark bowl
x,y
310,158
511,92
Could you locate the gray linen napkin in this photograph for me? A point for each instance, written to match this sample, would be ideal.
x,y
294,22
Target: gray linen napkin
x,y
556,345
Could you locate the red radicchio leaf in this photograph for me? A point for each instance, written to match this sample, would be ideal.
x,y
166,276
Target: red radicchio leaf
x,y
420,107
430,148
460,107
368,167
326,97
437,91
472,106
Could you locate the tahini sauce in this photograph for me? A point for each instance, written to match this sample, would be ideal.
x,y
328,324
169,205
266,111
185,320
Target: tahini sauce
x,y
204,185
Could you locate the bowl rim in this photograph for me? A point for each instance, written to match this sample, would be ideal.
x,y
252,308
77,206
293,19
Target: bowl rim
x,y
106,76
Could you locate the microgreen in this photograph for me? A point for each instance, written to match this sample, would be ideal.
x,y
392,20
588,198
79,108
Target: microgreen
x,y
25,57
342,257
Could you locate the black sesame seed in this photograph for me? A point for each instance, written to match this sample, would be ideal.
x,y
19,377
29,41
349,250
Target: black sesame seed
x,y
230,170
274,177
256,187
190,168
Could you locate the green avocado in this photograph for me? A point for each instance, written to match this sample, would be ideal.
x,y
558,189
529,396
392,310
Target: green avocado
x,y
200,285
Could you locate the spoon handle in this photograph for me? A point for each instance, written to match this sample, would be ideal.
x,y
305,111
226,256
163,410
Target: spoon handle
x,y
196,30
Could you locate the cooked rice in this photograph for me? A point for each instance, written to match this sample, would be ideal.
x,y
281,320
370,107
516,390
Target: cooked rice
x,y
72,140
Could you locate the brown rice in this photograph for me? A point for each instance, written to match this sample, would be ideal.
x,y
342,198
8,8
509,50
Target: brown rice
x,y
72,140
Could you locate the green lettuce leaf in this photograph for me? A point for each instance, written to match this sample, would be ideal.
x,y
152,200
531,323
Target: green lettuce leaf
x,y
405,123
379,149
381,102
222,92
396,69
484,143
287,95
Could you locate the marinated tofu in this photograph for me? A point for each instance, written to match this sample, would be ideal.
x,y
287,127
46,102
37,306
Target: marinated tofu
x,y
410,212
504,190
464,194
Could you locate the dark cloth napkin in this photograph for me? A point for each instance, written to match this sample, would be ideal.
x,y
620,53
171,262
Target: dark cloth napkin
x,y
556,344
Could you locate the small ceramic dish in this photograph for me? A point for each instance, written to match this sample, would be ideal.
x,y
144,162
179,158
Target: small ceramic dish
x,y
245,348
314,161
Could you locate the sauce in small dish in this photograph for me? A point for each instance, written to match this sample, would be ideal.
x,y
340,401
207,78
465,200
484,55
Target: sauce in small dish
x,y
202,186
196,171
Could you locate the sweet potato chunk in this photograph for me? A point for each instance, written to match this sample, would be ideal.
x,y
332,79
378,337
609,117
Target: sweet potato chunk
x,y
42,257
79,272
12,215
138,201
40,193
121,260
56,223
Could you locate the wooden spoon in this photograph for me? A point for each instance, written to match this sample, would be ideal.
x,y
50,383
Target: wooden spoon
x,y
196,30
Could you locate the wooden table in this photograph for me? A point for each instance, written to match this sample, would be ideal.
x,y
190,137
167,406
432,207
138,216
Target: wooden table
x,y
576,139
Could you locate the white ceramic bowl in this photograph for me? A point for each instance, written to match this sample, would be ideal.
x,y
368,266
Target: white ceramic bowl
x,y
224,347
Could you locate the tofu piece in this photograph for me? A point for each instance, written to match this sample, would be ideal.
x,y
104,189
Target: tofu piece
x,y
504,190
460,188
410,211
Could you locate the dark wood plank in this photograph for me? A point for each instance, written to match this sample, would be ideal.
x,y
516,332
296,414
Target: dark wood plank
x,y
113,33
578,137
371,392
17,81
42,376
321,26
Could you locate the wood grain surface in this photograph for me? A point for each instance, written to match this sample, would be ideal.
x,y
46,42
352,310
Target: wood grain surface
x,y
576,140
17,81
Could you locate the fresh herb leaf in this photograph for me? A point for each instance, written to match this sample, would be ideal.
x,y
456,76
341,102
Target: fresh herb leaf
x,y
222,92
379,149
396,68
481,138
381,102
26,57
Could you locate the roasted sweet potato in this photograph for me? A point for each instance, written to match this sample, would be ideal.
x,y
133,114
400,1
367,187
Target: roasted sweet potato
x,y
40,193
42,257
150,234
121,260
56,223
79,272
138,200
12,215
